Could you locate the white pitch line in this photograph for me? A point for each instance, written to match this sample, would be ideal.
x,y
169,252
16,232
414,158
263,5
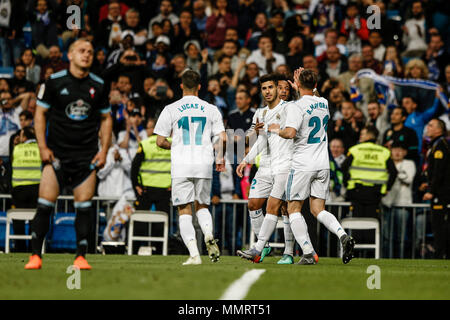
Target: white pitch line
x,y
238,289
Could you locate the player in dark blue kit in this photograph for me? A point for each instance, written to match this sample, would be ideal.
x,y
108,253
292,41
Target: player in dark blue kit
x,y
72,108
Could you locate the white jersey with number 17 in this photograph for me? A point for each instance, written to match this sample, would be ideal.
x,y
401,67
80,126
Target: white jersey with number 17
x,y
193,123
309,116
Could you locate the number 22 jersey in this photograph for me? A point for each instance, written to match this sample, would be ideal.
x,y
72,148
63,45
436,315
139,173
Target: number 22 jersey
x,y
309,116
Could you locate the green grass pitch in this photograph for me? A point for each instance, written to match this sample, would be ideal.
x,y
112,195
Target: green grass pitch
x,y
164,278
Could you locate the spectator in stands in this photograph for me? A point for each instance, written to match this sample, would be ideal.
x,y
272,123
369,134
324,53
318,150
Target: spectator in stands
x,y
355,28
200,17
392,62
159,95
10,123
347,129
395,220
125,87
414,32
266,60
165,12
178,67
398,133
337,151
194,58
436,58
108,33
334,64
294,57
19,84
99,64
11,32
376,42
223,68
133,23
214,96
378,117
44,28
392,31
114,177
325,14
365,86
134,132
53,61
185,30
229,49
369,60
310,62
331,39
32,70
216,24
248,10
276,32
417,120
260,25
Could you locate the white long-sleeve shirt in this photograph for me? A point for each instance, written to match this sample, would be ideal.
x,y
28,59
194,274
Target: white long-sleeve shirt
x,y
115,175
401,191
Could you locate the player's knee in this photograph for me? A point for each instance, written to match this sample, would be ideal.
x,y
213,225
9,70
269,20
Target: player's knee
x,y
253,205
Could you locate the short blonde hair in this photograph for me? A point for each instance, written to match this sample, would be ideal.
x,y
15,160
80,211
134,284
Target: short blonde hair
x,y
416,63
74,44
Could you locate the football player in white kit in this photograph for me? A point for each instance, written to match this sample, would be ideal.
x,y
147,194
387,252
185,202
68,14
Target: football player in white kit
x,y
192,123
309,176
270,180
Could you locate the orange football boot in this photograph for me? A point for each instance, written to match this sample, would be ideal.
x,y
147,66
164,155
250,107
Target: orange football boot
x,y
35,262
81,263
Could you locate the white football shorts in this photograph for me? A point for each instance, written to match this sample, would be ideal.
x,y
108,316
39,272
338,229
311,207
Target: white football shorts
x,y
302,184
187,190
264,186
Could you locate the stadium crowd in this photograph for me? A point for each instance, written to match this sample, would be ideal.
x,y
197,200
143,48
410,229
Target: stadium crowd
x,y
142,48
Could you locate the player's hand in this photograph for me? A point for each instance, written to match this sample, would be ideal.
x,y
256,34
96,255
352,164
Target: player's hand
x,y
240,169
139,190
258,126
427,196
274,127
47,155
99,159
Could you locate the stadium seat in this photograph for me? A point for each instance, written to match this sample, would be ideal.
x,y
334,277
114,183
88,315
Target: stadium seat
x,y
18,214
149,217
364,224
280,225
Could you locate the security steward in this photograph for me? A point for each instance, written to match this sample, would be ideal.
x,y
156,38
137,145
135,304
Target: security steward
x,y
26,175
150,176
438,190
369,173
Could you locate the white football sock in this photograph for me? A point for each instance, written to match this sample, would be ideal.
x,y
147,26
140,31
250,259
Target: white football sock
x,y
300,231
289,239
330,222
268,227
256,220
205,221
187,232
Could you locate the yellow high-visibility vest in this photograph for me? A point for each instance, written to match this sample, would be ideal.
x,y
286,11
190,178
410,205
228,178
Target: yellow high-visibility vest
x,y
26,165
368,167
155,169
